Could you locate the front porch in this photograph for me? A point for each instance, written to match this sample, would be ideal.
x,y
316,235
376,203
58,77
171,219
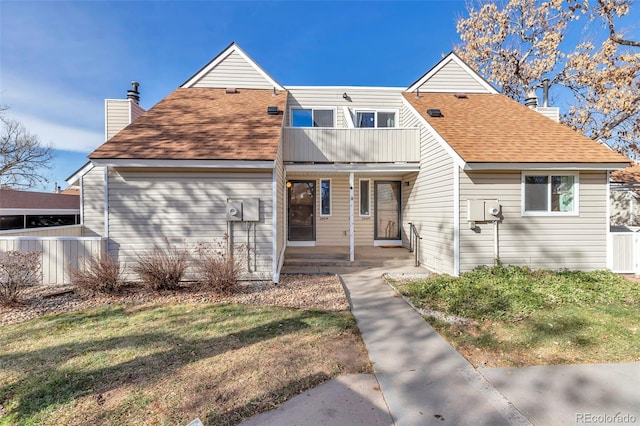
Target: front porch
x,y
319,258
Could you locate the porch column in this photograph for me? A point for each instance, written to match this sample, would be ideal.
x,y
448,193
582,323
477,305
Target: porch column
x,y
352,236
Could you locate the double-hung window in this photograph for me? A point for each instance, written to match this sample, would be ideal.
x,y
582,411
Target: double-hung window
x,y
375,119
312,117
549,193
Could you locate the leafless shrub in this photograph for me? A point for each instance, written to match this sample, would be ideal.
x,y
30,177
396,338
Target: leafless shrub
x,y
162,268
18,269
97,274
218,270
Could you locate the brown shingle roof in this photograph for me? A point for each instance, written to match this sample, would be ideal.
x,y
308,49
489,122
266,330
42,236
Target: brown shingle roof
x,y
12,199
202,124
630,174
487,128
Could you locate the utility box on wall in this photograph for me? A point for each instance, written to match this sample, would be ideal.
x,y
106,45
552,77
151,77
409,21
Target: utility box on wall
x,y
234,211
251,210
483,210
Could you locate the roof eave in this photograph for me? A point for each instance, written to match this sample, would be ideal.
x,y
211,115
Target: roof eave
x,y
481,166
205,164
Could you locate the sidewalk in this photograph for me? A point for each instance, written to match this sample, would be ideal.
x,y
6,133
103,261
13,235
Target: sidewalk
x,y
424,381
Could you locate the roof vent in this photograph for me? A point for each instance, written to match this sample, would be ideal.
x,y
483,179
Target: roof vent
x,y
272,110
231,90
460,95
434,113
133,93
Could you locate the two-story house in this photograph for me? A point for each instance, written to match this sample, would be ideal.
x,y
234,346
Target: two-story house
x,y
233,152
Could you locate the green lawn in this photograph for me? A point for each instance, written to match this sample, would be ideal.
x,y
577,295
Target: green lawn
x,y
528,317
169,364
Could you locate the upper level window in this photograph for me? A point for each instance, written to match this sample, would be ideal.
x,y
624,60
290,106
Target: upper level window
x,y
375,119
311,117
550,194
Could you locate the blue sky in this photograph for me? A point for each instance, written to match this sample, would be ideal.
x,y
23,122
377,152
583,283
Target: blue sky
x,y
59,60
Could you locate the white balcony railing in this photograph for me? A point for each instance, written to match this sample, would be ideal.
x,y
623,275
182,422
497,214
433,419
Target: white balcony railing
x,y
345,145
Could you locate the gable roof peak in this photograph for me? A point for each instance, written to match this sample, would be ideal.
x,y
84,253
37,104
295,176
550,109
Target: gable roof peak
x,y
447,59
233,47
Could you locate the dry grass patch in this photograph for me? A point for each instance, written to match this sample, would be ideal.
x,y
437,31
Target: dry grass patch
x,y
148,357
169,364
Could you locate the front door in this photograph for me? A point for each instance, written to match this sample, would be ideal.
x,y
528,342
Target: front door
x,y
302,208
387,210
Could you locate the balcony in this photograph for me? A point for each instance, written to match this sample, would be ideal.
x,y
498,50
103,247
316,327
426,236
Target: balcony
x,y
347,145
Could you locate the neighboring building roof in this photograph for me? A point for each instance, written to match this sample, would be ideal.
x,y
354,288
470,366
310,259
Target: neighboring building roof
x,y
202,124
630,174
12,199
492,128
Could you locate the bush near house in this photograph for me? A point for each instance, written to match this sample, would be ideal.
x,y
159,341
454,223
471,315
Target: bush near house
x,y
513,316
163,268
17,270
217,269
97,274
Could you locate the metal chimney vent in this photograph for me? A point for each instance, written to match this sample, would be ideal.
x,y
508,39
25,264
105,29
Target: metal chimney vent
x,y
231,90
460,95
133,93
272,110
434,113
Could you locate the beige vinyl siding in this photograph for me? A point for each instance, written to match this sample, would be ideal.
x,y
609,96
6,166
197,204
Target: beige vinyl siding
x,y
93,200
117,116
57,254
429,202
136,111
53,231
186,207
574,242
360,98
452,78
234,71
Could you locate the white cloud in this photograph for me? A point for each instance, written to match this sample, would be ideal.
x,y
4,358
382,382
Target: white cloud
x,y
61,136
67,119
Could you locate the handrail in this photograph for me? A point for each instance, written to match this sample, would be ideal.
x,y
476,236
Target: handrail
x,y
414,246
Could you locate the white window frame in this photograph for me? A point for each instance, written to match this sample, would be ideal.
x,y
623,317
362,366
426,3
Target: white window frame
x,y
326,108
360,198
330,197
550,174
375,112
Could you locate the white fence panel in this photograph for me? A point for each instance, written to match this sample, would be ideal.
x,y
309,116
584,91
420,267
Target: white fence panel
x,y
624,246
57,254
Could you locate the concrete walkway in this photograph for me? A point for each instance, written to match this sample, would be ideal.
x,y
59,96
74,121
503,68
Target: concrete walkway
x,y
424,381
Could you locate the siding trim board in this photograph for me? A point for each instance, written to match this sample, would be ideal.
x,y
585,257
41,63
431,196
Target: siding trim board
x,y
456,219
356,168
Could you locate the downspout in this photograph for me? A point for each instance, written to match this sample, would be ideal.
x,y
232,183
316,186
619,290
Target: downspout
x,y
352,236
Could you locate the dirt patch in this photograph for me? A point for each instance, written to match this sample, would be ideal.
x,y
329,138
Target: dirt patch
x,y
323,292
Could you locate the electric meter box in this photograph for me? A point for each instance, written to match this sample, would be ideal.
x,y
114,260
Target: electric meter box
x,y
234,211
483,210
251,210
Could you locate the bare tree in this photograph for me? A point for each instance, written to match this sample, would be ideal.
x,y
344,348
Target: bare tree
x,y
519,43
22,156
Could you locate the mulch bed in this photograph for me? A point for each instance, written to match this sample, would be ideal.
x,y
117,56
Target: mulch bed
x,y
323,292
